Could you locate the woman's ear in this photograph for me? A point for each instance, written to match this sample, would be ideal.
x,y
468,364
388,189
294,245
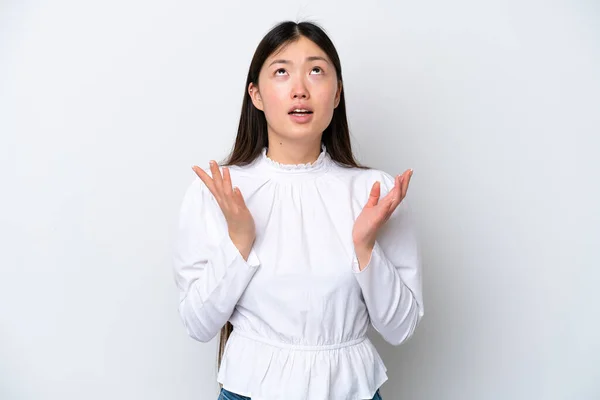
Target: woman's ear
x,y
255,96
338,94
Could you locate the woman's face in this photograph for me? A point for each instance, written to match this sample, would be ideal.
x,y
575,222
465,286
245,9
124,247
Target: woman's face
x,y
298,76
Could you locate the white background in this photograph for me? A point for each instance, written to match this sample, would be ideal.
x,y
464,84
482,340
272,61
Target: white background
x,y
104,106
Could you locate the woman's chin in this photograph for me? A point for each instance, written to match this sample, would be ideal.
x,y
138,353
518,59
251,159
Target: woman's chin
x,y
305,132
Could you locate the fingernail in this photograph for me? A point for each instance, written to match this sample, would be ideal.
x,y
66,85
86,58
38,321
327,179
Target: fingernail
x,y
212,163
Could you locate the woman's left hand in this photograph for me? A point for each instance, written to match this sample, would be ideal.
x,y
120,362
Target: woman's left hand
x,y
375,213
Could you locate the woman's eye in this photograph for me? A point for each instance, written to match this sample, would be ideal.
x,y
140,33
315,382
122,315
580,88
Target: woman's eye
x,y
318,69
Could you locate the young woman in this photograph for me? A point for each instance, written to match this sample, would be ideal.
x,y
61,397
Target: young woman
x,y
289,248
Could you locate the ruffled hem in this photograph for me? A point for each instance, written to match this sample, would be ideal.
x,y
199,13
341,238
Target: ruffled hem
x,y
263,371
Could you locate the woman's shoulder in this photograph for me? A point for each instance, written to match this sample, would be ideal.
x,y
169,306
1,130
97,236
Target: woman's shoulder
x,y
245,177
363,177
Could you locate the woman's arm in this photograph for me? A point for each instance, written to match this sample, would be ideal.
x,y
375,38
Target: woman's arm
x,y
210,272
390,278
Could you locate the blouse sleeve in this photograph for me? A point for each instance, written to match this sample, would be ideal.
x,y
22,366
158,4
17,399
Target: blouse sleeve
x,y
209,270
391,281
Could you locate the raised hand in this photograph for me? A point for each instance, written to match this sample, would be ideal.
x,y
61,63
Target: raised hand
x,y
240,222
374,215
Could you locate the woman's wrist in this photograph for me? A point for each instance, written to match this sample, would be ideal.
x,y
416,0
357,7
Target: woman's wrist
x,y
363,253
244,245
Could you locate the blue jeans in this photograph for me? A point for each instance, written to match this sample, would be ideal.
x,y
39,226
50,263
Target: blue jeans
x,y
227,395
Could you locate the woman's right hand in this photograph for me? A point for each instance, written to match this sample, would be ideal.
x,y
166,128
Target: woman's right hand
x,y
240,222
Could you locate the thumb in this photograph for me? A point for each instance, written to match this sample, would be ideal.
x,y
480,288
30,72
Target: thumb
x,y
374,195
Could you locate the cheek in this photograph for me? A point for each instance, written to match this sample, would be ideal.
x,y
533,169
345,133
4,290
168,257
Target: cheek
x,y
326,91
326,97
274,101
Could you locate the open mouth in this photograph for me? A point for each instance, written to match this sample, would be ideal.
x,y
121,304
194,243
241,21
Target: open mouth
x,y
300,112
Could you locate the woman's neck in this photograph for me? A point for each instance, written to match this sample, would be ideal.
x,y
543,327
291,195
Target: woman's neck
x,y
293,152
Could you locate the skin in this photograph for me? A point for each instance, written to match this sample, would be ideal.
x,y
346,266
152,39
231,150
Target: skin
x,y
289,77
286,79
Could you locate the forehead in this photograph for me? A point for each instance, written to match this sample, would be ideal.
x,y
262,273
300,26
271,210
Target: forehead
x,y
298,49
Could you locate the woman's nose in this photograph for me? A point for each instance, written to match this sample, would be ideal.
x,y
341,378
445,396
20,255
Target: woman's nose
x,y
299,90
300,94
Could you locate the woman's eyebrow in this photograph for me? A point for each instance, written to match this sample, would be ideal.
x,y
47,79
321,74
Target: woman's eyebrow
x,y
312,58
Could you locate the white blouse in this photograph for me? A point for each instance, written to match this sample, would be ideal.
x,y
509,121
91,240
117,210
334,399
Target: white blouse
x,y
299,305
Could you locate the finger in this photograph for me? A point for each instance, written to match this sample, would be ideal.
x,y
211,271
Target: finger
x,y
204,177
406,181
393,198
239,198
216,175
393,194
374,195
401,182
227,182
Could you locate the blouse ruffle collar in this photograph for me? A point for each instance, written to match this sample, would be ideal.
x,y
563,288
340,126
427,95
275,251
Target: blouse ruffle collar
x,y
316,165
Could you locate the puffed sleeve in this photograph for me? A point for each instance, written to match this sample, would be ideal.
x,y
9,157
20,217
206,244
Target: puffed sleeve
x,y
391,281
209,270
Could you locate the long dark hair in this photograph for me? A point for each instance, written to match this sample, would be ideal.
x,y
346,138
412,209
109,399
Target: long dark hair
x,y
252,130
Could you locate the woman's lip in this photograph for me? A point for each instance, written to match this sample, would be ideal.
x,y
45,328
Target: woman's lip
x,y
301,118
